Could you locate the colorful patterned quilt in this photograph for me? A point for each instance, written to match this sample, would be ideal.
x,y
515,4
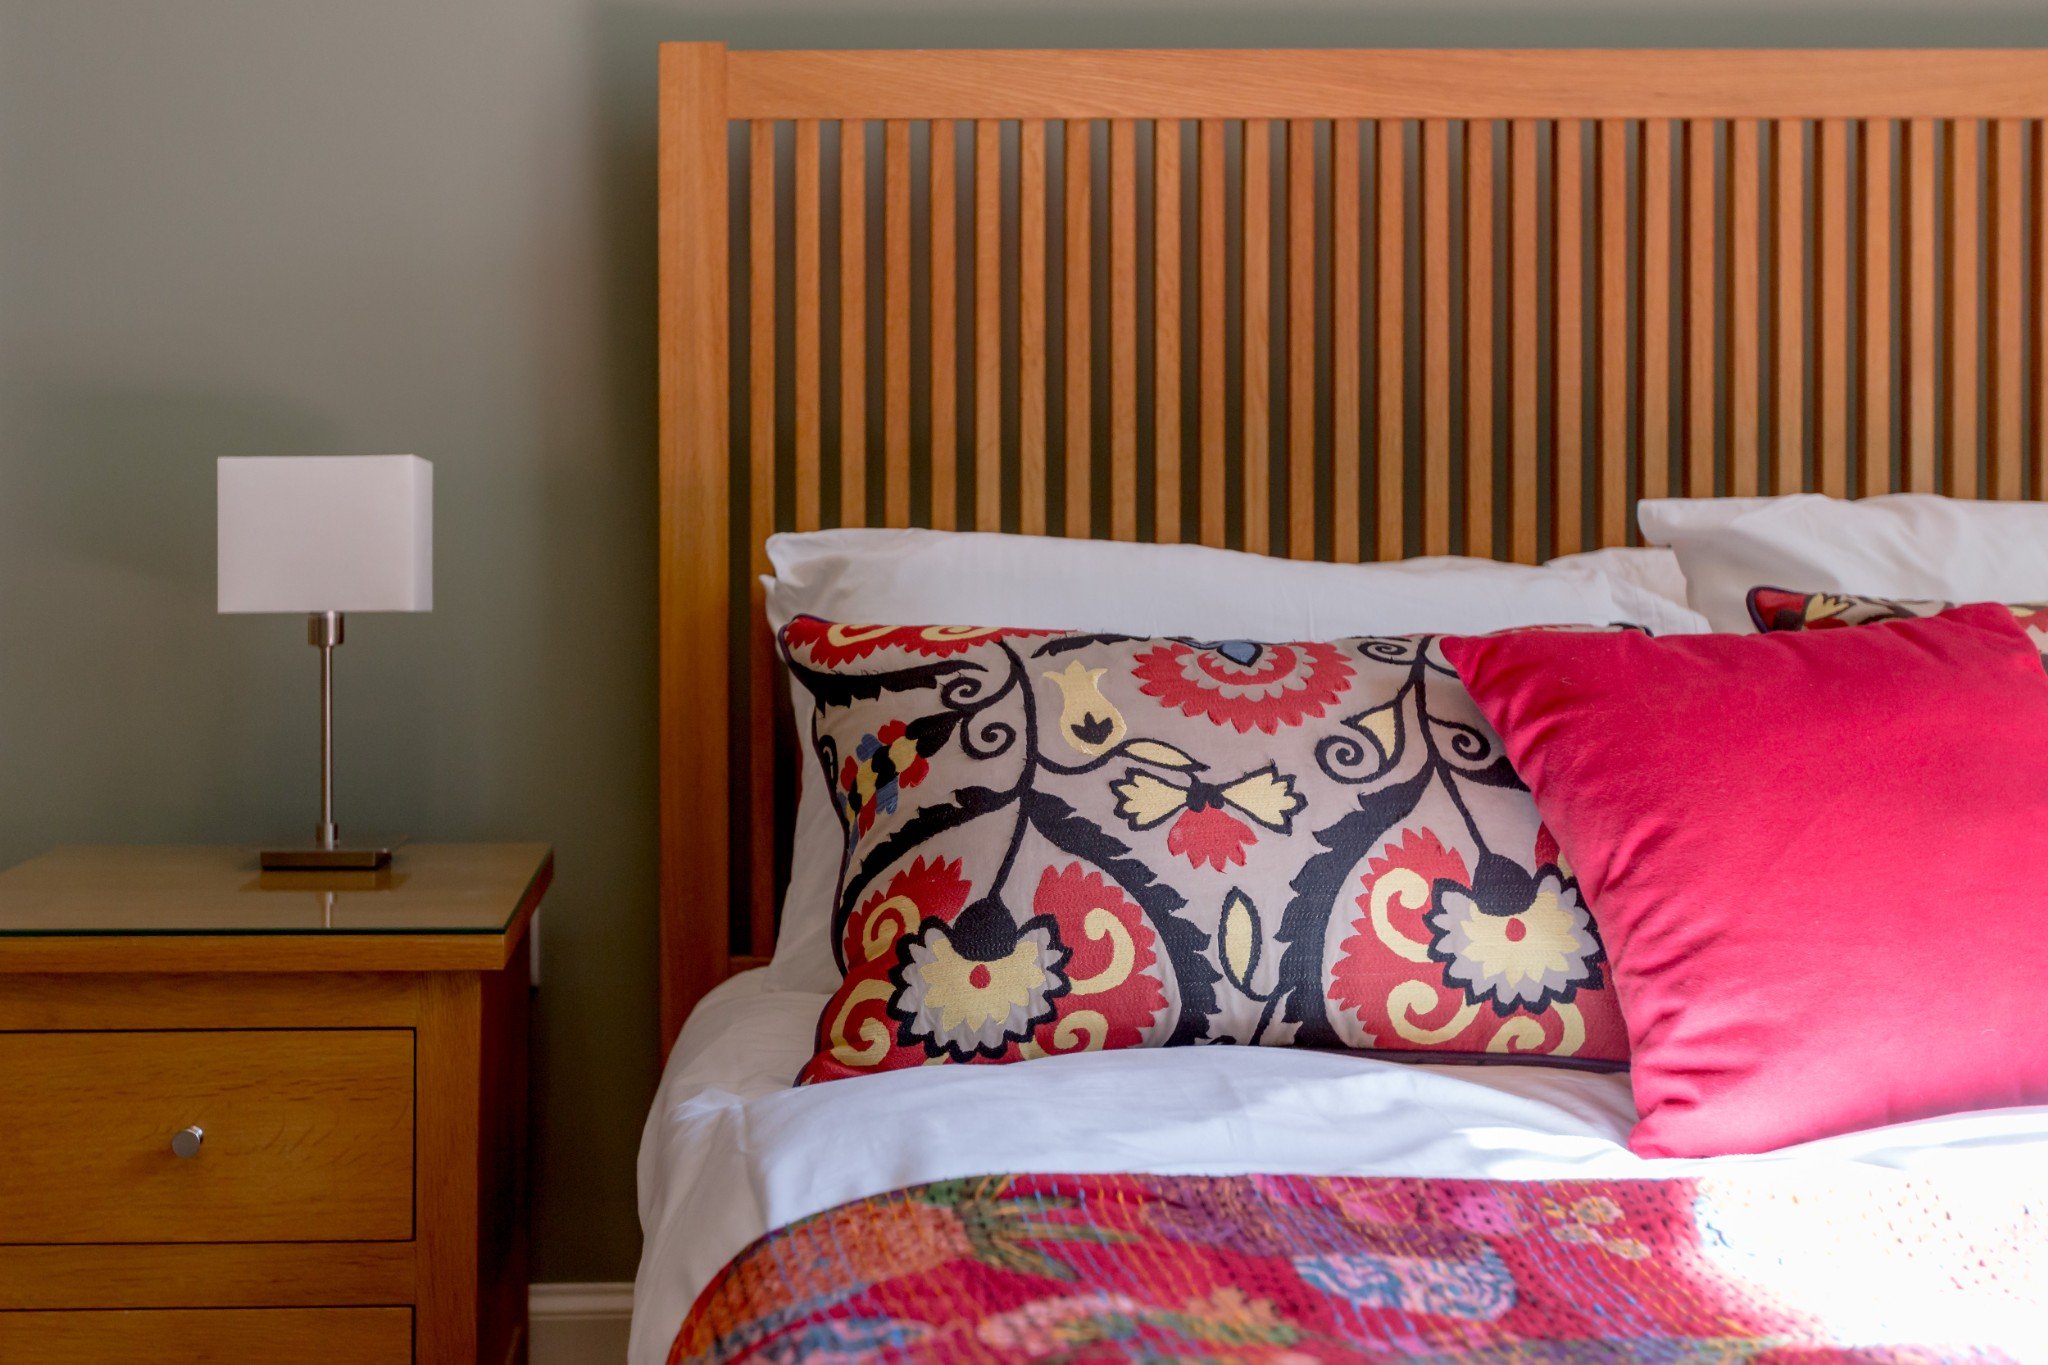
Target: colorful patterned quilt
x,y
1770,1268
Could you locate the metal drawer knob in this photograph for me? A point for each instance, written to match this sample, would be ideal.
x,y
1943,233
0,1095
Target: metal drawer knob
x,y
185,1142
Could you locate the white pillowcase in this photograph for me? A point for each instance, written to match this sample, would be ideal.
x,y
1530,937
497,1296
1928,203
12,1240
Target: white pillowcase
x,y
917,577
1913,545
1653,568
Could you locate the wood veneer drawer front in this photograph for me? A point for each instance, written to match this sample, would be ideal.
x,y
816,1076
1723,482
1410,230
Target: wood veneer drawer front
x,y
332,1336
307,1136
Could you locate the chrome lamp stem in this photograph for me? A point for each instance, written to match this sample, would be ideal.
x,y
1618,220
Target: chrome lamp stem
x,y
327,852
324,632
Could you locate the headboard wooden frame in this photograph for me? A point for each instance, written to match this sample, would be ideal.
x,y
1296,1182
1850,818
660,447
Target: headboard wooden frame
x,y
1328,304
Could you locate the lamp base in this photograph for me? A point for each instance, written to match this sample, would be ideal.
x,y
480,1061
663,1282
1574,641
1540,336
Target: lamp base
x,y
308,858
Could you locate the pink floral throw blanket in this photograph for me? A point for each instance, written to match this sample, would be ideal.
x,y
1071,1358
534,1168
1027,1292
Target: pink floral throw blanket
x,y
1100,1268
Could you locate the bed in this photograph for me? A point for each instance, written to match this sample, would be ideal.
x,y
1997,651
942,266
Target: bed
x,y
1333,306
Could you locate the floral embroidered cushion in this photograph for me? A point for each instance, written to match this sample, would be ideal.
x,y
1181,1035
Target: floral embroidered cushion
x,y
1774,609
1057,842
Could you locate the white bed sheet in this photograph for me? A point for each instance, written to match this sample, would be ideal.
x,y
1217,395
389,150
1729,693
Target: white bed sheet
x,y
732,1151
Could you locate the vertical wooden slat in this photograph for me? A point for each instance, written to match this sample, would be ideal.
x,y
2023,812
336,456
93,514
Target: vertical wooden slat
x,y
2037,469
1436,337
2008,306
1922,380
988,325
1701,232
1614,314
1788,308
761,342
853,323
695,375
896,323
1301,339
1568,363
808,290
945,474
1123,329
1744,280
761,672
1391,343
1653,480
1346,340
1255,333
1031,353
1214,358
1875,457
1479,305
1524,345
1831,361
1166,232
1080,464
1959,475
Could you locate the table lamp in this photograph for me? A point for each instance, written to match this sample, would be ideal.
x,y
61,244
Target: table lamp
x,y
324,535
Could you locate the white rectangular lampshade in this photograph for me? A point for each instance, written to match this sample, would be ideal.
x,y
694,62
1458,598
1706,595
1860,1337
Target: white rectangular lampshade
x,y
310,533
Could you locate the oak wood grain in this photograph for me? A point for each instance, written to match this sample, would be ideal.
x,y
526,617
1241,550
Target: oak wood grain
x,y
1255,379
1215,318
944,284
1079,378
1702,300
1347,342
1302,402
853,323
1525,381
205,1275
988,327
1032,398
2009,308
1478,272
202,908
1123,330
1568,348
1167,216
308,1136
1654,375
1832,343
1390,317
1789,292
896,344
333,1336
1397,83
1614,515
694,494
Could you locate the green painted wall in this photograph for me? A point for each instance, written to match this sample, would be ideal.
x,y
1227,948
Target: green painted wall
x,y
241,227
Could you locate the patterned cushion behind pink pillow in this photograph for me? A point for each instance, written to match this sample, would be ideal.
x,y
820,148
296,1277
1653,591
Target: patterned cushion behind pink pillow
x,y
1064,842
1774,609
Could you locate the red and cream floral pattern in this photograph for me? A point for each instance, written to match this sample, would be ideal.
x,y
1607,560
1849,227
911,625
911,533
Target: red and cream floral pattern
x,y
1775,609
1065,842
1243,684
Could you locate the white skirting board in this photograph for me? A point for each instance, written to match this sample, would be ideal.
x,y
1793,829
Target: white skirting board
x,y
578,1324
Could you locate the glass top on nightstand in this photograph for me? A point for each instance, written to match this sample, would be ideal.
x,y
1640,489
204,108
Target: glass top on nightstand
x,y
427,889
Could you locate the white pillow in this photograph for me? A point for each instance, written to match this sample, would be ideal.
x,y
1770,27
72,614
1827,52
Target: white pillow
x,y
917,577
1914,545
1653,568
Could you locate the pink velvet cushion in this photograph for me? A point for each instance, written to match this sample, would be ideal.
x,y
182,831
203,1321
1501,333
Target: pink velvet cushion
x,y
1819,862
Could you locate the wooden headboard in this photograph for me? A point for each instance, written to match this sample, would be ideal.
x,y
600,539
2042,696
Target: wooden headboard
x,y
1338,305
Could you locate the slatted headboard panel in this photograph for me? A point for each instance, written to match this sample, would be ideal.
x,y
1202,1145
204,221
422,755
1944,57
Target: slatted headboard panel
x,y
1337,305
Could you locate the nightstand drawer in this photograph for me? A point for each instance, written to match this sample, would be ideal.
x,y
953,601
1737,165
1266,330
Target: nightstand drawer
x,y
333,1336
303,1136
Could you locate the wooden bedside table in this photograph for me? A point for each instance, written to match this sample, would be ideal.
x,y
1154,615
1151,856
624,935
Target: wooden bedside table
x,y
283,1114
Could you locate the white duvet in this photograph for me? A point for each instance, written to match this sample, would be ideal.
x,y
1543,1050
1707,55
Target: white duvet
x,y
732,1151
